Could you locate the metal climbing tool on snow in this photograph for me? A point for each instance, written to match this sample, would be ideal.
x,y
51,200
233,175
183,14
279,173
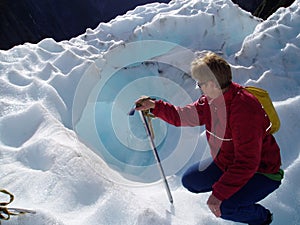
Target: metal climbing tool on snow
x,y
146,117
162,173
6,212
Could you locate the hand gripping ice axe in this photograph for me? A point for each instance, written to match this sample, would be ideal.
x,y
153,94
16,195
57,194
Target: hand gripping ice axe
x,y
146,119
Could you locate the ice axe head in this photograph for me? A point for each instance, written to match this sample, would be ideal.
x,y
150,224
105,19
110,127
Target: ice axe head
x,y
132,111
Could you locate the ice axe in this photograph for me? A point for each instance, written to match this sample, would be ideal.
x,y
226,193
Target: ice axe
x,y
146,119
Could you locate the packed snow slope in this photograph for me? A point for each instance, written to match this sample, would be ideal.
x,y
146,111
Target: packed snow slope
x,y
55,163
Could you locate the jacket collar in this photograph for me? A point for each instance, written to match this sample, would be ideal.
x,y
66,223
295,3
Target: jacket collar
x,y
227,96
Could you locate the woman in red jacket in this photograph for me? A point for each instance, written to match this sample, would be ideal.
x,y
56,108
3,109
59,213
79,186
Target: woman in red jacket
x,y
246,165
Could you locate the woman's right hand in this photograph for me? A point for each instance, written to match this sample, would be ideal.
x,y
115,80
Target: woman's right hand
x,y
144,103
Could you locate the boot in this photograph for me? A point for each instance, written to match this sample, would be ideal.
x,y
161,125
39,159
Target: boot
x,y
268,220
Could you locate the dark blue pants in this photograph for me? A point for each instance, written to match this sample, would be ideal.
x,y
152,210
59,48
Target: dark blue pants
x,y
242,206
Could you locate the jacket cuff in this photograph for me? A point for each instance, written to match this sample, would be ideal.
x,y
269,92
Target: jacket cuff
x,y
218,196
156,107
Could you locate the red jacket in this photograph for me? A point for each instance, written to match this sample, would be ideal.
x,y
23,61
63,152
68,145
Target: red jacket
x,y
237,133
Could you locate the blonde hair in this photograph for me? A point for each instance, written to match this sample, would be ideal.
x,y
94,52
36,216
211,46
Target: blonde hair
x,y
212,67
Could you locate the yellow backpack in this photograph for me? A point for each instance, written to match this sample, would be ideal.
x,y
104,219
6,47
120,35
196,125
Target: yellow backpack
x,y
265,100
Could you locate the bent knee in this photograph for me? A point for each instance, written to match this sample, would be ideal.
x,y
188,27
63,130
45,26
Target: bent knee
x,y
189,184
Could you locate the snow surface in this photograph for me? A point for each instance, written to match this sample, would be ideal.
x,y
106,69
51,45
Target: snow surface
x,y
64,107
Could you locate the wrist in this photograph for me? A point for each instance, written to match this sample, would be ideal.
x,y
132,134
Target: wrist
x,y
152,104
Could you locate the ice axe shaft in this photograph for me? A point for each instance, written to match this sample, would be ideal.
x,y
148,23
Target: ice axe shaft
x,y
150,137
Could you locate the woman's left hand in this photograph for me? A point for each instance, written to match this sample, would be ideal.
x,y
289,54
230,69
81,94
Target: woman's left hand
x,y
214,205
